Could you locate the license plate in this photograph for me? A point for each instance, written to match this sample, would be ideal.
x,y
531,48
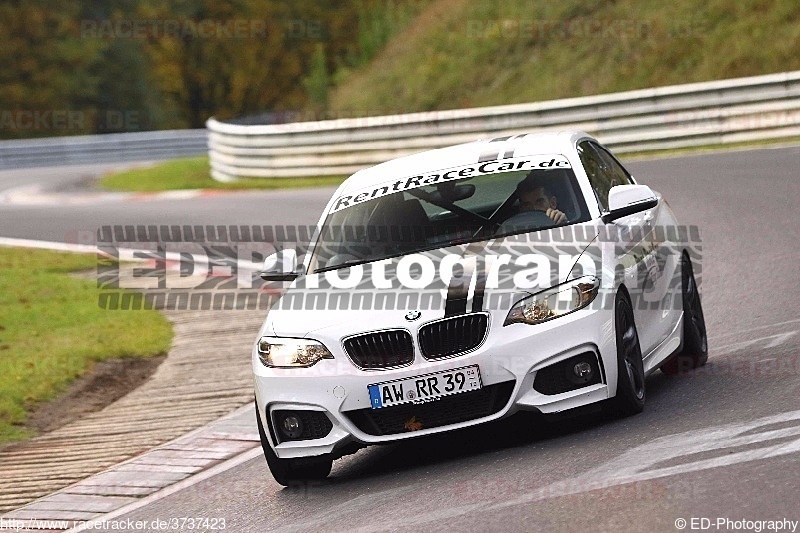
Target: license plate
x,y
427,388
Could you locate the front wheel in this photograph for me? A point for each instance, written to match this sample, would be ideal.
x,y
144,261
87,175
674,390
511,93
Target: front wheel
x,y
631,390
695,341
292,472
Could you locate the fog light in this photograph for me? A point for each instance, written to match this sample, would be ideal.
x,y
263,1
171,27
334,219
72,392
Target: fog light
x,y
291,426
582,370
570,374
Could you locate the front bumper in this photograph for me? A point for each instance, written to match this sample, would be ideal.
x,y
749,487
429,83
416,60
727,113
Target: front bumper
x,y
509,359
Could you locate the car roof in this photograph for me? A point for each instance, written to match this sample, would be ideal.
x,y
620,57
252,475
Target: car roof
x,y
560,142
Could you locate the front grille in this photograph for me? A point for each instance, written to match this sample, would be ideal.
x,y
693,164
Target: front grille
x,y
316,424
445,411
381,349
453,336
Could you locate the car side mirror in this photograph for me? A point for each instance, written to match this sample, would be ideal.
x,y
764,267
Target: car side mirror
x,y
624,200
281,266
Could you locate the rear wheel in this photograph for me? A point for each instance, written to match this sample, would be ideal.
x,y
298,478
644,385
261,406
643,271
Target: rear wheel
x,y
694,353
631,390
289,472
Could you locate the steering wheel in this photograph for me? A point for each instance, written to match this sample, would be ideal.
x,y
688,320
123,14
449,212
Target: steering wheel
x,y
531,220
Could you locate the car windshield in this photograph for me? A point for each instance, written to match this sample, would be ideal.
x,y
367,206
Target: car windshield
x,y
379,223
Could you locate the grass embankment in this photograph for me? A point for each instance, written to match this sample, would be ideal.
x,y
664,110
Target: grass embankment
x,y
52,331
193,173
470,53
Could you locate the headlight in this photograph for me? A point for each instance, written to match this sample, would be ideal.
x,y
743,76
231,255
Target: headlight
x,y
277,352
554,302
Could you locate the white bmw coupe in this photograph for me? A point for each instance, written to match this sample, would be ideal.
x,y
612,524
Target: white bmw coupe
x,y
457,286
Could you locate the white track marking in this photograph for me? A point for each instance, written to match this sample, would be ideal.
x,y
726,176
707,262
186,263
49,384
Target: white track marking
x,y
775,341
767,326
665,456
642,463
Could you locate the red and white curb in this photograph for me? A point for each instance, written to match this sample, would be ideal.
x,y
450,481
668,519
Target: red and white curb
x,y
35,195
173,259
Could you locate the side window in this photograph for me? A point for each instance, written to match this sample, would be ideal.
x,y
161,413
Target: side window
x,y
596,169
603,170
620,176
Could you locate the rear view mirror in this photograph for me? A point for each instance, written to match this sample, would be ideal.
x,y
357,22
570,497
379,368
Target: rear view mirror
x,y
624,200
451,192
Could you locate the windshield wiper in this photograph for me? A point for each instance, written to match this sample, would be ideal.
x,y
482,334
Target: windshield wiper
x,y
349,262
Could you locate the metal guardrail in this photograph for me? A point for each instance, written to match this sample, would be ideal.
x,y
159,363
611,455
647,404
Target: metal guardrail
x,y
717,112
109,148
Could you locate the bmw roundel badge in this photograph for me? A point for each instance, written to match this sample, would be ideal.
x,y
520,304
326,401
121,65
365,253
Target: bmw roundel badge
x,y
413,315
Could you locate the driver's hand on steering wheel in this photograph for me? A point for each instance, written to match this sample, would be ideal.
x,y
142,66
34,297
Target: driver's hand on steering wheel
x,y
557,216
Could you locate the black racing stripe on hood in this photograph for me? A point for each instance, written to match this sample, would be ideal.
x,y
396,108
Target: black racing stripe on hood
x,y
480,286
457,292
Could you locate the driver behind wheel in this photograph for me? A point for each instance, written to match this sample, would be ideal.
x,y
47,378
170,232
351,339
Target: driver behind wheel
x,y
535,199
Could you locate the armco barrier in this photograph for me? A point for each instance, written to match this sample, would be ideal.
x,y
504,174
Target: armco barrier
x,y
717,112
109,148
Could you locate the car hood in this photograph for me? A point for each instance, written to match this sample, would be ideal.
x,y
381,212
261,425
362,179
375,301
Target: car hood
x,y
486,276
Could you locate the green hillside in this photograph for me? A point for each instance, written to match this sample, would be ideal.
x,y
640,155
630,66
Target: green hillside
x,y
461,53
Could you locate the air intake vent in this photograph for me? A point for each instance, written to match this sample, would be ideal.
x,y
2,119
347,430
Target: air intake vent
x,y
381,349
453,336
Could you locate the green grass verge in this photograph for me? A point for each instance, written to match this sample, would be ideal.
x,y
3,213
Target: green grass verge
x,y
709,148
193,173
52,331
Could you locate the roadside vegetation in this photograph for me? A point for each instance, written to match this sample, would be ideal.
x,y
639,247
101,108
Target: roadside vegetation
x,y
91,66
73,67
52,331
469,53
193,173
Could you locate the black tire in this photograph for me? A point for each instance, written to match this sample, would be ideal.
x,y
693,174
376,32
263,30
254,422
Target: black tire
x,y
694,352
631,389
293,472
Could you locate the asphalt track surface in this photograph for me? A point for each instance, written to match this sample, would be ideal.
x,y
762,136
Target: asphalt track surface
x,y
720,443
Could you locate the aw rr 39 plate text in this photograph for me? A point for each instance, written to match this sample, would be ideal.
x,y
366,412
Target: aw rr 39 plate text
x,y
429,387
